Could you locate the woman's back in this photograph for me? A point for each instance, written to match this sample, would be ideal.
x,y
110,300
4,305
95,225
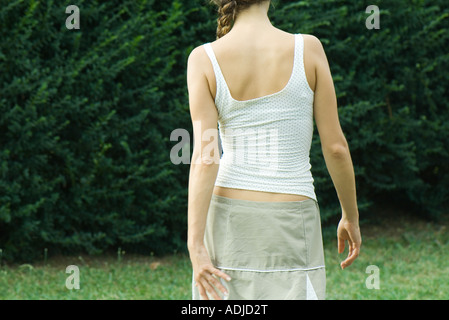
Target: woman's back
x,y
257,60
256,65
266,139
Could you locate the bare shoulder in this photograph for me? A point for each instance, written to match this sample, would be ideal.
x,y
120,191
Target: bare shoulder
x,y
199,66
197,57
200,69
313,44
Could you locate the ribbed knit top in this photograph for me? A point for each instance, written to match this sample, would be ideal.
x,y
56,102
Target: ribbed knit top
x,y
266,141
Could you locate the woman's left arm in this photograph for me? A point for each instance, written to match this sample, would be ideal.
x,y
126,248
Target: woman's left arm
x,y
203,172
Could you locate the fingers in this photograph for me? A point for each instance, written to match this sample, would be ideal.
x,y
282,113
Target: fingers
x,y
210,289
348,232
214,283
221,274
340,245
217,283
354,250
201,291
349,260
207,281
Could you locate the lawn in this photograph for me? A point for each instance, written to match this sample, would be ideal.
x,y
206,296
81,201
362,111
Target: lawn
x,y
410,259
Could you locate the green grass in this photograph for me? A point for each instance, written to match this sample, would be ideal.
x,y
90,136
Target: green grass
x,y
411,256
101,277
412,259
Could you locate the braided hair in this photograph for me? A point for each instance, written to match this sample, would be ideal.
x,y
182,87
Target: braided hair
x,y
227,12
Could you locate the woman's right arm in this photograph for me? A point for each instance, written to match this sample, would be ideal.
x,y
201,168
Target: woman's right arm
x,y
335,151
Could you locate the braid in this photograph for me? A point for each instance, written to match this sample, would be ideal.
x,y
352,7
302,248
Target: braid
x,y
227,12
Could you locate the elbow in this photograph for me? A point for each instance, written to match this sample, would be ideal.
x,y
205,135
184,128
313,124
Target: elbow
x,y
338,150
205,160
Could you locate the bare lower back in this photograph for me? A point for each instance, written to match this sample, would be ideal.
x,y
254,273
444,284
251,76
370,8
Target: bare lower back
x,y
256,195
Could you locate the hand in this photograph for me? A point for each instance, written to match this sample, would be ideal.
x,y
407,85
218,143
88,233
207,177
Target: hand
x,y
205,274
349,231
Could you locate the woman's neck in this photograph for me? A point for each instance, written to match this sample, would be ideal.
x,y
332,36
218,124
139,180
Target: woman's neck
x,y
254,17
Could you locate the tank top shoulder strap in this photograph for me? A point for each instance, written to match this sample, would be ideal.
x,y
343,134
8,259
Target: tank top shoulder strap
x,y
219,78
300,64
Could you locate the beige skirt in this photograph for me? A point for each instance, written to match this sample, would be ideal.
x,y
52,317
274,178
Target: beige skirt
x,y
271,250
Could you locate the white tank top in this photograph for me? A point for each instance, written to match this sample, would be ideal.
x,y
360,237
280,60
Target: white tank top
x,y
266,141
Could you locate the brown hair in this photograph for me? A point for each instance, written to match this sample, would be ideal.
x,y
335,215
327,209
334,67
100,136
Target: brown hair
x,y
228,11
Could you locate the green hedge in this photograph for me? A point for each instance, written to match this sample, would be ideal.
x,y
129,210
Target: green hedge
x,y
86,115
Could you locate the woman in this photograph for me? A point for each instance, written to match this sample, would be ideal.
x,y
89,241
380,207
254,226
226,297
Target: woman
x,y
253,218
